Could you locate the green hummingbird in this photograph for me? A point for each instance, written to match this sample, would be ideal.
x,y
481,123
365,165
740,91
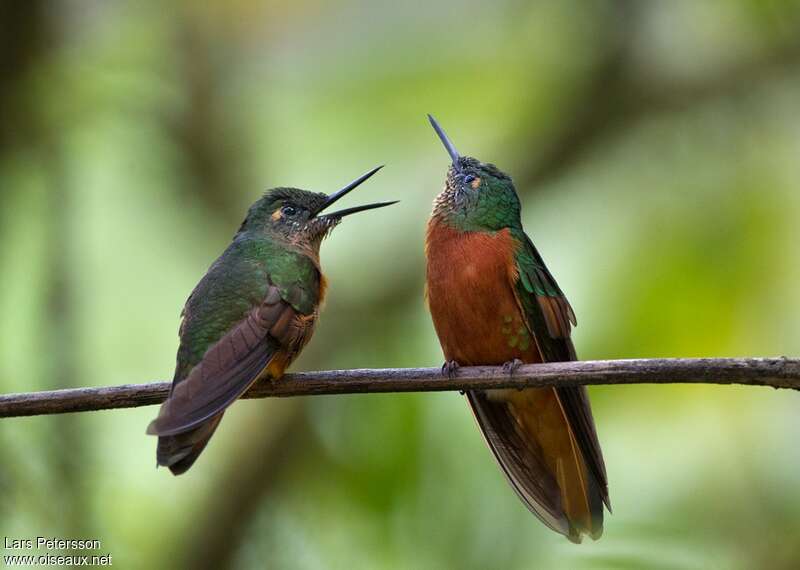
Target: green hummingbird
x,y
494,302
249,316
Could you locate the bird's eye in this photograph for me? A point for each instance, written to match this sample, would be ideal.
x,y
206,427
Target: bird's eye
x,y
469,178
288,211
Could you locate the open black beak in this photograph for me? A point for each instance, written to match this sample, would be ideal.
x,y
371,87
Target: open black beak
x,y
451,149
352,186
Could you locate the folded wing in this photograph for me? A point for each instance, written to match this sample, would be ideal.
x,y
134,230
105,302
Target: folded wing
x,y
268,337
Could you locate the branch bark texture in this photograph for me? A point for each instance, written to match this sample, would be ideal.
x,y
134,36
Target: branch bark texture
x,y
774,372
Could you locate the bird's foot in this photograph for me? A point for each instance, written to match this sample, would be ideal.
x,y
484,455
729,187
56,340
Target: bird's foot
x,y
511,366
449,369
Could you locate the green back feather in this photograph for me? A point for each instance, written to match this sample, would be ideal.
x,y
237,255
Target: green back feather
x,y
235,283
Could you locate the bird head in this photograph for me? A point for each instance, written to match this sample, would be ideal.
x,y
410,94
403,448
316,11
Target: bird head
x,y
477,196
297,216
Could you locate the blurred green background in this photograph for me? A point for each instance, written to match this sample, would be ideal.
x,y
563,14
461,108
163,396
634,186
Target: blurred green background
x,y
656,149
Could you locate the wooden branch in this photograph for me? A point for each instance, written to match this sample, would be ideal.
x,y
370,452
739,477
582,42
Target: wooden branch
x,y
775,372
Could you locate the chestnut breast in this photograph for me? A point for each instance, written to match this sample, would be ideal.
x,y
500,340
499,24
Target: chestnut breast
x,y
470,294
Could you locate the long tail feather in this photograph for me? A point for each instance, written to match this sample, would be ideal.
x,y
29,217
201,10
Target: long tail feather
x,y
534,443
179,452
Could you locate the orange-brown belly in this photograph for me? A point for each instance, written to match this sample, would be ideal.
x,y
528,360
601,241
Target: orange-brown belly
x,y
471,297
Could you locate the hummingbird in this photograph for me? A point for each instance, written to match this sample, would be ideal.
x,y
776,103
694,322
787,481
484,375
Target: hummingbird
x,y
250,315
494,302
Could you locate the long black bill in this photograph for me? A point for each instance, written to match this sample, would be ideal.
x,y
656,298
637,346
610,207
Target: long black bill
x,y
451,149
350,187
354,209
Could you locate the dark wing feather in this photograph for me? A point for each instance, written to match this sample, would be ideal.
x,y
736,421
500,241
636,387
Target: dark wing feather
x,y
575,402
520,461
232,364
549,316
179,452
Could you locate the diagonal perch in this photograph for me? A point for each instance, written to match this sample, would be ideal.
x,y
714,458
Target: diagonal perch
x,y
774,372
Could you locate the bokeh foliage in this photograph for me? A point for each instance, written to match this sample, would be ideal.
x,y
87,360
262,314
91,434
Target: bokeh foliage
x,y
655,146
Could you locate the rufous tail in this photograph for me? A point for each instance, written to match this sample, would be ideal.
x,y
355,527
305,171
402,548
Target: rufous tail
x,y
532,439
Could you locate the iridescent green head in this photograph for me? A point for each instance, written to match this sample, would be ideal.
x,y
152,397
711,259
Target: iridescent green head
x,y
477,196
296,215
